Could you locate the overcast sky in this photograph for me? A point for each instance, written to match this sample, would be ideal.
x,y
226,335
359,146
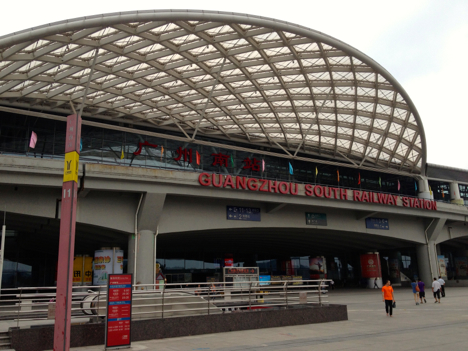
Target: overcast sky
x,y
423,44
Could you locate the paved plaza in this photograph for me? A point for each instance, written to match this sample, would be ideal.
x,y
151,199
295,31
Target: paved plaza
x,y
425,327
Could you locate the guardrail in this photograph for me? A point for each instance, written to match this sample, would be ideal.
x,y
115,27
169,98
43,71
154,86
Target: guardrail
x,y
34,304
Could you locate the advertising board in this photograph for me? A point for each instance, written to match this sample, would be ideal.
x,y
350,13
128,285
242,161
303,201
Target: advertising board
x,y
107,262
119,311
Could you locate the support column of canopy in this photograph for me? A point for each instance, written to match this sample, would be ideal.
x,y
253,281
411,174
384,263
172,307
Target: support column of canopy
x,y
427,253
423,189
142,245
455,194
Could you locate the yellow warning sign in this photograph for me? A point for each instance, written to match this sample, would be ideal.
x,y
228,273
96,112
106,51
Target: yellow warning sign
x,y
70,170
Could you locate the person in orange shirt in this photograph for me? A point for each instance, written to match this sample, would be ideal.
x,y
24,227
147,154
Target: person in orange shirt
x,y
388,298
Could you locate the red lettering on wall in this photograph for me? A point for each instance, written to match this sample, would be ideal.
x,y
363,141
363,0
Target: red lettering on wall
x,y
252,184
294,189
241,182
283,187
228,182
318,190
263,185
272,185
382,198
220,183
343,194
365,196
405,201
335,192
204,179
356,195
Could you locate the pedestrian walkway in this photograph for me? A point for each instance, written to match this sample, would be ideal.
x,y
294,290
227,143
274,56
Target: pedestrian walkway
x,y
427,326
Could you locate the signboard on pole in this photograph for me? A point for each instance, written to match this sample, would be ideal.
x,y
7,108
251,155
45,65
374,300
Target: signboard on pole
x,y
119,311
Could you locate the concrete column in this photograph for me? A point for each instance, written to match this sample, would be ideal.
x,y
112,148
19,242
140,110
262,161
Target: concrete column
x,y
131,254
423,189
427,263
145,273
455,194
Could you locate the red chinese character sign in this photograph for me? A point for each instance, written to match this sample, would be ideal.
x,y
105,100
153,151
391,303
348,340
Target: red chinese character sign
x,y
220,160
119,311
186,153
253,164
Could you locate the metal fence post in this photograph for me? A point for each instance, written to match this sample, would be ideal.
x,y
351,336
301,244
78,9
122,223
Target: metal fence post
x,y
162,307
19,307
320,292
286,293
250,299
209,299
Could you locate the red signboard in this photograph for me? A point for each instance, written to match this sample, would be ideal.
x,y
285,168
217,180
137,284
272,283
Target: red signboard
x,y
370,266
228,262
119,310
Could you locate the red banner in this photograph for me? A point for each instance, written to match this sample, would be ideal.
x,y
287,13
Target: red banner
x,y
119,310
370,266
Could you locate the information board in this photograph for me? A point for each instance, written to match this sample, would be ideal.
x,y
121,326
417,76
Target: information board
x,y
119,310
237,213
241,270
377,223
316,218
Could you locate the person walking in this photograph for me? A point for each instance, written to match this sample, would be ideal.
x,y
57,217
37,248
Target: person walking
x,y
442,286
415,287
376,286
422,293
388,297
436,290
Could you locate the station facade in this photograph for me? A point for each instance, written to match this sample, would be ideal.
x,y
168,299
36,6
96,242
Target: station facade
x,y
214,140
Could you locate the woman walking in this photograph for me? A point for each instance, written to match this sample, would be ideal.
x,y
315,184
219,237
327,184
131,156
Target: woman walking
x,y
415,287
388,298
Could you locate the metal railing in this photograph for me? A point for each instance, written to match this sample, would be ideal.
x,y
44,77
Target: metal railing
x,y
31,305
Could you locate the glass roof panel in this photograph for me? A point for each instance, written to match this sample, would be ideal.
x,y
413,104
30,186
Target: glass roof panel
x,y
265,82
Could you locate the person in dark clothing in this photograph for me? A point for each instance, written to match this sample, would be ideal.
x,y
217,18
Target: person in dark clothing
x,y
422,293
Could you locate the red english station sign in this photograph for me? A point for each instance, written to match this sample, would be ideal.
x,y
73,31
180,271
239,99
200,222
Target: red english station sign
x,y
119,311
288,188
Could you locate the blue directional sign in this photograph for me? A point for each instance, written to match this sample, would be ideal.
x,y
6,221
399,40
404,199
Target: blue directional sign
x,y
316,218
243,213
377,223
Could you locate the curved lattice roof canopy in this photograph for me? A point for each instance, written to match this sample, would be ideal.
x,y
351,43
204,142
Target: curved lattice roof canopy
x,y
224,75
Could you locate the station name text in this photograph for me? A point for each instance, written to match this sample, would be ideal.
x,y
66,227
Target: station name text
x,y
287,188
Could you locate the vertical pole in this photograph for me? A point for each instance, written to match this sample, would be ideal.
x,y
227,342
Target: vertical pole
x,y
2,251
67,235
320,292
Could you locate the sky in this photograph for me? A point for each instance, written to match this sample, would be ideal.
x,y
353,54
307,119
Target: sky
x,y
422,43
